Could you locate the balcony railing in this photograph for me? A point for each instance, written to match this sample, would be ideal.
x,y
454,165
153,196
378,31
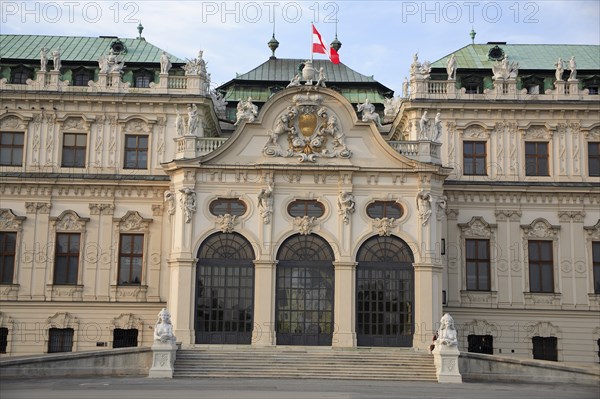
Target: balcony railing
x,y
112,83
420,150
502,90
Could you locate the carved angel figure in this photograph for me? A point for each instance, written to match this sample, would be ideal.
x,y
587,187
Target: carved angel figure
x,y
424,201
188,203
265,203
346,205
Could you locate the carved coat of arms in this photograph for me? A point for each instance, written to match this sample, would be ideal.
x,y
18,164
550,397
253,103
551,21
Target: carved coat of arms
x,y
312,131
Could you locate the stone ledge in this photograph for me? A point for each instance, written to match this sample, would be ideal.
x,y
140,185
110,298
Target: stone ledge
x,y
111,362
477,366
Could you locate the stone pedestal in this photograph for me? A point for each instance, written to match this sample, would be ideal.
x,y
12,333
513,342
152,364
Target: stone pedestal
x,y
445,358
163,359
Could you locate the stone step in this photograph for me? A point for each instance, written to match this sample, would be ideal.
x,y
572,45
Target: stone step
x,y
322,363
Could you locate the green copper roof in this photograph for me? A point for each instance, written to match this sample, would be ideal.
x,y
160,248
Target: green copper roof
x,y
281,69
529,56
81,49
258,94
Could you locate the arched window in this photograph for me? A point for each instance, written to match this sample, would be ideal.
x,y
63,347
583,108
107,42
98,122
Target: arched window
x,y
224,290
384,293
305,289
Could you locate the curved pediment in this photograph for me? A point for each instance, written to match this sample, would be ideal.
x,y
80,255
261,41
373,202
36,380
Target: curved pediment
x,y
307,125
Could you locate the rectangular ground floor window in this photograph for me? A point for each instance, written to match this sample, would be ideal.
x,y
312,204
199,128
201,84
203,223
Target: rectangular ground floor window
x,y
545,348
3,339
60,340
481,344
124,338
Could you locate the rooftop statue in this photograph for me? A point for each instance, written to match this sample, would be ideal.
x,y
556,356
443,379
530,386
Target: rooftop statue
x,y
43,59
110,63
246,111
418,70
560,69
295,80
505,69
573,69
56,59
368,112
165,63
196,66
451,68
437,128
322,78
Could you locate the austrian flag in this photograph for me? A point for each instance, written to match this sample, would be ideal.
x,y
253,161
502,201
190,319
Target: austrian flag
x,y
319,47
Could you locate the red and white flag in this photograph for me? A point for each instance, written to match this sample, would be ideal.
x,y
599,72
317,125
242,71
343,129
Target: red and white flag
x,y
319,47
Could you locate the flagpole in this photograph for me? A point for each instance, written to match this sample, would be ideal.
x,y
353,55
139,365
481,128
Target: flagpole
x,y
311,41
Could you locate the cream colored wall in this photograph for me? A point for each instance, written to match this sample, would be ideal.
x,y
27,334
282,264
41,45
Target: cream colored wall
x,y
566,210
105,208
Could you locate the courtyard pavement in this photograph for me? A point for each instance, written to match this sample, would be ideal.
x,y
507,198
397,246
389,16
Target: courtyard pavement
x,y
221,388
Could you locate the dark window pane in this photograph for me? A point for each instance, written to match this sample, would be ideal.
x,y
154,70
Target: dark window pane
x,y
131,258
477,264
300,208
481,344
594,159
11,148
474,158
124,338
231,206
385,209
545,348
3,339
66,262
74,150
60,340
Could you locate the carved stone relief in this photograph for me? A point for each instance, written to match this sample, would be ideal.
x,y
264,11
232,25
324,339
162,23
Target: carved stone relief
x,y
311,129
10,221
134,222
475,132
69,221
227,222
305,225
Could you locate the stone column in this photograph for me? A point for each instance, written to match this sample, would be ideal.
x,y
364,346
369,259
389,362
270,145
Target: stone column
x,y
182,286
428,302
344,334
264,303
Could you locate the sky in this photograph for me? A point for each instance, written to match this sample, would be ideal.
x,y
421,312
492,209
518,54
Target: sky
x,y
378,37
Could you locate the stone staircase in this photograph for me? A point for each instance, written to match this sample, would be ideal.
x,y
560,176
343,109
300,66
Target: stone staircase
x,y
397,364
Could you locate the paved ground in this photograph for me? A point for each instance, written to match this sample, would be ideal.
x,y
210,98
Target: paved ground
x,y
133,388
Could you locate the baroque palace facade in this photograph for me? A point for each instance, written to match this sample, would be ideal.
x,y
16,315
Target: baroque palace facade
x,y
274,212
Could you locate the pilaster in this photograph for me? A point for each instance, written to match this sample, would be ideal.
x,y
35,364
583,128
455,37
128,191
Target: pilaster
x,y
264,303
181,297
344,335
428,302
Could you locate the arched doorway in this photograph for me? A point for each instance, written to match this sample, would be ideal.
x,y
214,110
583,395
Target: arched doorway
x,y
304,299
384,293
224,290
